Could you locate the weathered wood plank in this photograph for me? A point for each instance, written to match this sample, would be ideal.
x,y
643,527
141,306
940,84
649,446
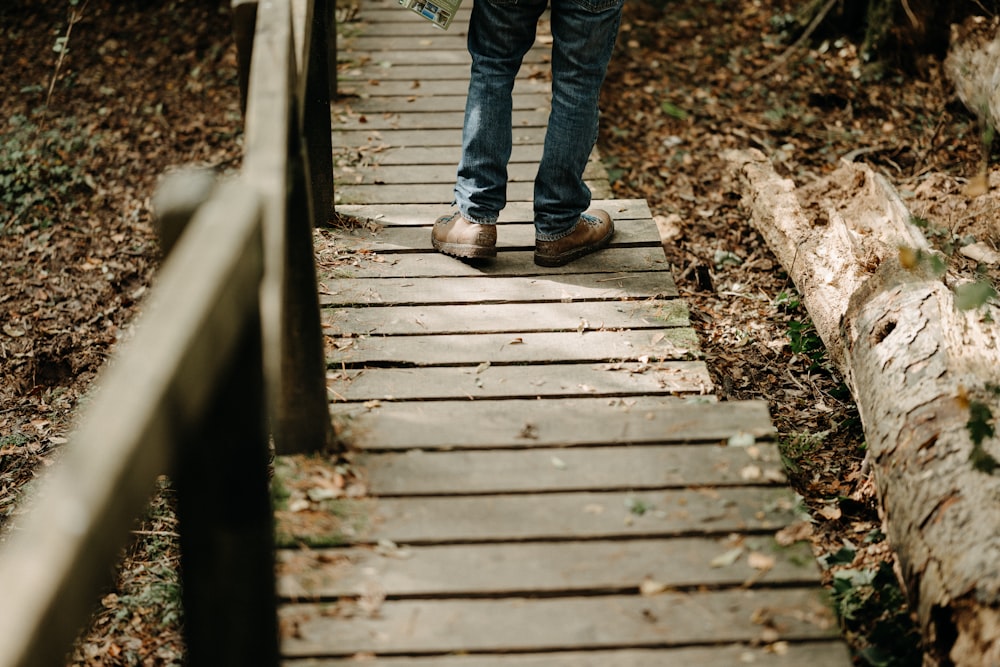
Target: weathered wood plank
x,y
407,40
542,470
417,100
431,120
598,566
425,138
537,624
555,380
423,214
510,263
409,72
385,89
585,515
520,236
510,318
509,348
348,156
442,193
567,287
813,653
381,173
530,423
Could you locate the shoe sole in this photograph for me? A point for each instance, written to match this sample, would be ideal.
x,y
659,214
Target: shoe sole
x,y
565,258
465,250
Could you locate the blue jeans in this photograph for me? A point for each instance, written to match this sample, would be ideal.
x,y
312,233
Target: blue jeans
x,y
500,33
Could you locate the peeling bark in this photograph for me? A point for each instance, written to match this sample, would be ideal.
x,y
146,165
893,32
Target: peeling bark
x,y
913,362
973,66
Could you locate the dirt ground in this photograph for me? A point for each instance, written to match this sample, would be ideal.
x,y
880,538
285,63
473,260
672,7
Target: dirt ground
x,y
101,97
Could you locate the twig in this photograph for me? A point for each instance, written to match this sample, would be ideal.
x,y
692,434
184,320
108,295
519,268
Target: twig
x,y
75,15
910,15
780,60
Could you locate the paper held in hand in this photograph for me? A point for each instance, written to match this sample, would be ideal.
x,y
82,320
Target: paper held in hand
x,y
438,12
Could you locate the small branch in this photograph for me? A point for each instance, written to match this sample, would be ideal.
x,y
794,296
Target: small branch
x,y
780,60
75,15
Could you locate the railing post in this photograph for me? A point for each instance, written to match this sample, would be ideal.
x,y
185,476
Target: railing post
x,y
314,109
221,479
226,525
295,365
331,51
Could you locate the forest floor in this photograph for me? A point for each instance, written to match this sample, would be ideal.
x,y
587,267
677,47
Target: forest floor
x,y
100,98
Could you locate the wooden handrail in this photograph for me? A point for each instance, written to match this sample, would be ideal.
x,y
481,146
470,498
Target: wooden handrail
x,y
157,391
277,165
233,320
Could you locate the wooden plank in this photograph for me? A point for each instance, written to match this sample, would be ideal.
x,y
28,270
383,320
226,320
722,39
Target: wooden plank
x,y
501,318
424,138
566,287
533,568
519,236
423,214
363,157
447,626
379,173
585,515
438,193
555,380
431,120
459,86
408,40
510,348
393,72
418,472
510,263
813,653
418,156
416,101
528,423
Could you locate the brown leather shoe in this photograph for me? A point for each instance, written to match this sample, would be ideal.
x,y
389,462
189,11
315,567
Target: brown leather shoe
x,y
454,235
593,231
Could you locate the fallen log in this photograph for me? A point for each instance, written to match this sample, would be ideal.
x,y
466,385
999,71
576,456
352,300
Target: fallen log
x,y
973,66
925,376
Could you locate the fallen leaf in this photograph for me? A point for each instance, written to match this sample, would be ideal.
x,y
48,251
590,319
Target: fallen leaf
x,y
728,558
650,587
760,561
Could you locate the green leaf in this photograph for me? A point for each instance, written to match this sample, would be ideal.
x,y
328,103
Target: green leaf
x,y
673,110
973,295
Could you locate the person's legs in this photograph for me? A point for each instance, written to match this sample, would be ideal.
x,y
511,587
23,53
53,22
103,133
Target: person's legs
x,y
584,33
500,33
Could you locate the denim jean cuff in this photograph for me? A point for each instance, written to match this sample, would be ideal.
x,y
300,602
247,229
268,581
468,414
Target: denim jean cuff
x,y
479,221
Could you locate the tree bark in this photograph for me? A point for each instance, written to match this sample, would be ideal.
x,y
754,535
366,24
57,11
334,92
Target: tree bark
x,y
915,364
973,66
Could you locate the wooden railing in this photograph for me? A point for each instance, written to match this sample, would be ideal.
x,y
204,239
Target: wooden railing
x,y
227,355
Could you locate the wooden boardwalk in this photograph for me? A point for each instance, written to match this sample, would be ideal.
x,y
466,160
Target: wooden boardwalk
x,y
551,480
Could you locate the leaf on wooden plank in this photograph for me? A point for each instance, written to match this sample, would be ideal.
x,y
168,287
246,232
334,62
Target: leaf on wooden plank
x,y
760,561
796,532
649,587
742,440
482,367
727,559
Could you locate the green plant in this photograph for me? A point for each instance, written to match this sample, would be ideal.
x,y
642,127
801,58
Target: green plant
x,y
41,169
797,446
871,598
